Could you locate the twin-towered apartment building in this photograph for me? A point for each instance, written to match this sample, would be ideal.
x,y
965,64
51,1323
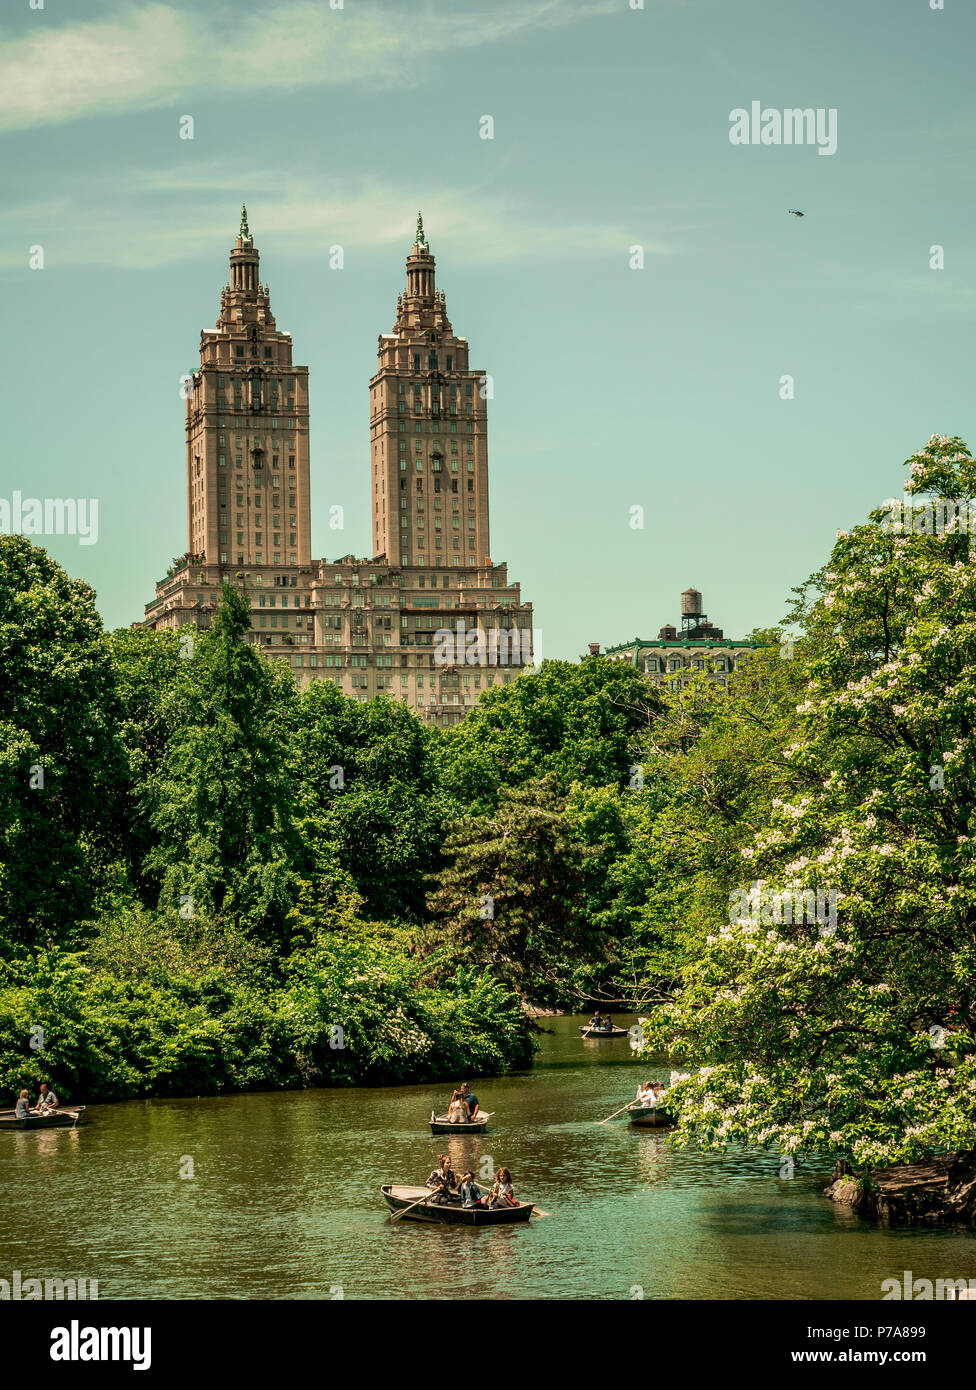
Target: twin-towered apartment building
x,y
376,625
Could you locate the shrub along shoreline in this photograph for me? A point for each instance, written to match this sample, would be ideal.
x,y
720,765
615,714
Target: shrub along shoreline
x,y
189,1019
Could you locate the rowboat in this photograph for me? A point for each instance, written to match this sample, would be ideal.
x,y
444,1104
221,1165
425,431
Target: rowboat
x,y
440,1124
649,1116
614,1032
396,1198
58,1119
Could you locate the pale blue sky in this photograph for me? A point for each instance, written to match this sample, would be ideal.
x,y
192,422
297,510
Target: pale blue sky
x,y
613,387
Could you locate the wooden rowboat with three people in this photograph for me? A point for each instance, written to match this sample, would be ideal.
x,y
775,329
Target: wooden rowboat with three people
x,y
55,1119
590,1030
416,1205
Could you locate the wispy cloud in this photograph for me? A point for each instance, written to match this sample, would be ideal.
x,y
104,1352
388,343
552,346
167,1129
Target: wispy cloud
x,y
148,55
118,221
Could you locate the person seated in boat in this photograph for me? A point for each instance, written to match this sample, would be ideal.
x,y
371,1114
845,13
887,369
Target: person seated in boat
x,y
457,1111
22,1108
502,1191
596,1021
470,1101
47,1101
645,1094
471,1193
659,1093
442,1181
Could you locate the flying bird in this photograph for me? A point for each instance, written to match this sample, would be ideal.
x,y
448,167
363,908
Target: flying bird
x,y
795,212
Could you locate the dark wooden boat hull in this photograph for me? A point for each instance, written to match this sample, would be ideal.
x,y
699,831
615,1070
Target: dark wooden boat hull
x,y
60,1119
602,1032
396,1198
440,1124
653,1117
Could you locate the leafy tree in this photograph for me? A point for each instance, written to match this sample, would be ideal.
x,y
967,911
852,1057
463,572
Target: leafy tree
x,y
572,723
851,1031
61,769
368,784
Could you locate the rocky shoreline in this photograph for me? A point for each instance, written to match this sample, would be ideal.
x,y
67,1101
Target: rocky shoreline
x,y
939,1192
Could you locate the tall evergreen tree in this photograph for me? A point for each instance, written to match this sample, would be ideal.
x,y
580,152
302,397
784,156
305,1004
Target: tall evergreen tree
x,y
220,804
511,894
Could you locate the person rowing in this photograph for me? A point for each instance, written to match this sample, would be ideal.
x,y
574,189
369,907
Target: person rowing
x,y
470,1100
442,1181
47,1101
646,1096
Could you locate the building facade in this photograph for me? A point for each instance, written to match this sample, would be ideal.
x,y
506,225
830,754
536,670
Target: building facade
x,y
676,654
427,618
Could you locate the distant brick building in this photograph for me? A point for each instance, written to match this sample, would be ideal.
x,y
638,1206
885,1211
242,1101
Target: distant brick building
x,y
675,655
375,625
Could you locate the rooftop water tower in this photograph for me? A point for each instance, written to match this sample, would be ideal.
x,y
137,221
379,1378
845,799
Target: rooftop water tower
x,y
692,617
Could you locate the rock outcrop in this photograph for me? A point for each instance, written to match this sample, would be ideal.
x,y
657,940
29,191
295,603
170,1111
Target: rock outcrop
x,y
941,1191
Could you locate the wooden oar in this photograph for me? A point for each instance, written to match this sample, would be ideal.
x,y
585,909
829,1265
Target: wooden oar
x,y
402,1211
616,1113
540,1214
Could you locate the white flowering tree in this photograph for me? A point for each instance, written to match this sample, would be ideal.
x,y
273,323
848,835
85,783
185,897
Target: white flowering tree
x,y
850,1032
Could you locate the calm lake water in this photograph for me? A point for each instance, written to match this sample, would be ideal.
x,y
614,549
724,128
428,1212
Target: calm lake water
x,y
285,1201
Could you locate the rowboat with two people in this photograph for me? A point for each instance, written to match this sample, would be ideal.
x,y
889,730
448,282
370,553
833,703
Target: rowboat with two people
x,y
463,1115
601,1026
54,1119
647,1110
45,1113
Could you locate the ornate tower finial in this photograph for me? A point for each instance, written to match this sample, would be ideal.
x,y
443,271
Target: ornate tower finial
x,y
421,239
245,235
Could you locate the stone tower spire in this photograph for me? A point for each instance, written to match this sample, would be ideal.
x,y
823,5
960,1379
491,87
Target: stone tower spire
x,y
247,431
429,433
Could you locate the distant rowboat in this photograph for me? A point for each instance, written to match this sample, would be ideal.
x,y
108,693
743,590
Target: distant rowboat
x,y
58,1119
396,1198
590,1032
440,1124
